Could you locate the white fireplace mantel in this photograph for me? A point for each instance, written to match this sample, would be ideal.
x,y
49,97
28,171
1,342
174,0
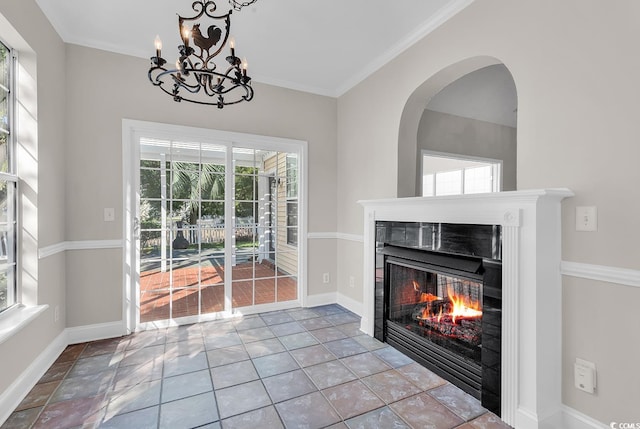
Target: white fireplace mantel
x,y
531,287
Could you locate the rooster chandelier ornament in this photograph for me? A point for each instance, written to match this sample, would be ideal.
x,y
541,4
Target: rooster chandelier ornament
x,y
196,77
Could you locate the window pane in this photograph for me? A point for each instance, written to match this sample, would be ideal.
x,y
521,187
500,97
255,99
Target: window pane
x,y
4,65
449,183
7,244
478,180
427,185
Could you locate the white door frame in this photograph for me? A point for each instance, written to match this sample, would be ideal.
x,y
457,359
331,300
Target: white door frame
x,y
132,131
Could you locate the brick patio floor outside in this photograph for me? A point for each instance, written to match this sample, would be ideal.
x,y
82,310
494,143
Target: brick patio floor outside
x,y
158,301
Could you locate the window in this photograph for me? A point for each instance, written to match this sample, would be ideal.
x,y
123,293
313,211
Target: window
x,y
444,174
8,182
292,199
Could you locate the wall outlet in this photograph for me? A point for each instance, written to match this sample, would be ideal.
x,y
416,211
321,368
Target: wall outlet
x,y
584,373
326,278
56,313
352,281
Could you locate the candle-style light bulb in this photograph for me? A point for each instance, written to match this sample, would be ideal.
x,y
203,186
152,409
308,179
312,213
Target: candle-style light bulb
x,y
186,34
232,45
245,66
158,45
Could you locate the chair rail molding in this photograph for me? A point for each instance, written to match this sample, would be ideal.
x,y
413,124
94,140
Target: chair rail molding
x,y
64,246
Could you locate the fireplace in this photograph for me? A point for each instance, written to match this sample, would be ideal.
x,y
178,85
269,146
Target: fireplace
x,y
530,255
439,300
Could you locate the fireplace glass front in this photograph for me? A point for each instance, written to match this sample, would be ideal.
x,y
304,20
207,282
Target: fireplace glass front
x,y
443,308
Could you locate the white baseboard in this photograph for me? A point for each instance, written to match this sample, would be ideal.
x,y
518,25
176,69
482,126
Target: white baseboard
x,y
574,419
350,304
100,331
18,390
322,299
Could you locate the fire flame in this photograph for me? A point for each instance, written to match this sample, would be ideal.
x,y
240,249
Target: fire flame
x,y
462,307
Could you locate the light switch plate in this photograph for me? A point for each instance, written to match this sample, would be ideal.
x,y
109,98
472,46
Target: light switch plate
x,y
586,218
109,214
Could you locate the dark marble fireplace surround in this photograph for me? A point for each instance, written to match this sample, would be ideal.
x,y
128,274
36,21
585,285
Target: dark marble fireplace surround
x,y
469,254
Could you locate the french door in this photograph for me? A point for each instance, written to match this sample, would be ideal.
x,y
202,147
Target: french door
x,y
215,228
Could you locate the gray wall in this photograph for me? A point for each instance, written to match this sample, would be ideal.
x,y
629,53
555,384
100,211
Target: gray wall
x,y
442,132
94,177
41,161
577,86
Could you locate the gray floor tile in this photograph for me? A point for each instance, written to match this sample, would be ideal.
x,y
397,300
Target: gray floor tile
x,y
188,413
146,418
226,356
342,318
352,399
412,411
139,356
325,335
365,364
288,385
303,314
345,347
393,357
315,323
264,348
329,374
458,401
185,364
298,341
326,310
242,398
233,374
134,374
154,337
252,322
313,355
257,334
310,411
190,346
350,329
276,317
263,418
391,386
221,341
94,364
185,385
133,398
379,418
83,387
184,333
275,364
421,376
369,343
286,329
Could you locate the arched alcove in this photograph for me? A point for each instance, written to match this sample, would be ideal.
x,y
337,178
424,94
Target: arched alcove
x,y
408,144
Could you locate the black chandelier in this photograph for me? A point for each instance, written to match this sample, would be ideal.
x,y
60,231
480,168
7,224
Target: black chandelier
x,y
196,77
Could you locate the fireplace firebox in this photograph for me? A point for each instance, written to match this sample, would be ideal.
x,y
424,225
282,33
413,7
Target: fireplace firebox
x,y
438,300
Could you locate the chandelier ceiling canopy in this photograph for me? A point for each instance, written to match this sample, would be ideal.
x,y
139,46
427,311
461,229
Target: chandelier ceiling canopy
x,y
196,77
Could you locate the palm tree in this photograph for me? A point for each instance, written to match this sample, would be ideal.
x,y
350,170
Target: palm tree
x,y
196,182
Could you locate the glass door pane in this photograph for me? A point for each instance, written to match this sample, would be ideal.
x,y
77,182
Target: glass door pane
x,y
265,227
182,213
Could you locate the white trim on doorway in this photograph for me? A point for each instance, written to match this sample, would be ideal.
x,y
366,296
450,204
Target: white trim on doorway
x,y
133,130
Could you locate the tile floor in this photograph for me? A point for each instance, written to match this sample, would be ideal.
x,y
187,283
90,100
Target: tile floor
x,y
301,368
